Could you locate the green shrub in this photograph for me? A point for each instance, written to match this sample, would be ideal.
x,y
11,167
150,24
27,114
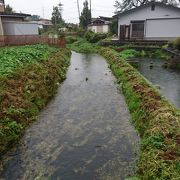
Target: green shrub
x,y
82,46
94,37
176,43
71,39
129,53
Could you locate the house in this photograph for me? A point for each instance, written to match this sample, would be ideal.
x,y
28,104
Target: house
x,y
44,24
16,23
152,21
100,25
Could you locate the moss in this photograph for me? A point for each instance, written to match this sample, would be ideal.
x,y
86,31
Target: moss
x,y
157,122
26,93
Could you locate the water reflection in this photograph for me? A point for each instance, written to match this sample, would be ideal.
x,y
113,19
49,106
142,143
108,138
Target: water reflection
x,y
84,133
167,79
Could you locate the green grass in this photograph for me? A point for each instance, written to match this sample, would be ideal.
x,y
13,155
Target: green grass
x,y
82,46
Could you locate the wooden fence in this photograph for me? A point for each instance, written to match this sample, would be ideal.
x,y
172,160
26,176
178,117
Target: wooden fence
x,y
12,40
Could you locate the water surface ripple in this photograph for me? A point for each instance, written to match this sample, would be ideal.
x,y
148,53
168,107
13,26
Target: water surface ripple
x,y
84,133
167,79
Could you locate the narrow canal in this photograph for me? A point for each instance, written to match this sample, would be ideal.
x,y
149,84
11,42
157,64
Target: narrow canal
x,y
83,134
168,80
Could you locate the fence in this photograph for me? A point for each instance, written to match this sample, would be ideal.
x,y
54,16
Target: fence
x,y
14,40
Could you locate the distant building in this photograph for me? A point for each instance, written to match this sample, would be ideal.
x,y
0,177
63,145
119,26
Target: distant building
x,y
100,25
44,24
16,23
152,21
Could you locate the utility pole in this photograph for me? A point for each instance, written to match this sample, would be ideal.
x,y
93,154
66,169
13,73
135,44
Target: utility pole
x,y
90,8
78,8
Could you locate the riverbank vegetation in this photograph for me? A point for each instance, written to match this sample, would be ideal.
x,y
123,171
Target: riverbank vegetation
x,y
176,44
156,120
29,77
83,46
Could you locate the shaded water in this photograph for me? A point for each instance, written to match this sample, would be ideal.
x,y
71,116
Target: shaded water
x,y
167,79
83,134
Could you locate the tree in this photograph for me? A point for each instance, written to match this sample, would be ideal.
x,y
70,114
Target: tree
x,y
57,19
35,17
114,26
85,17
129,4
8,9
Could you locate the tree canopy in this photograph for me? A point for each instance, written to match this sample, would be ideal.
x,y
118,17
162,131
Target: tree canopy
x,y
35,17
57,15
9,9
85,17
129,4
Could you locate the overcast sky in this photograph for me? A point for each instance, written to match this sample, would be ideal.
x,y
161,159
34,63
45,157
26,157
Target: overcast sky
x,y
70,13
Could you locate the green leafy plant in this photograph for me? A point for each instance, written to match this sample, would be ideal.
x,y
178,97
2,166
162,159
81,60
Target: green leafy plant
x,y
12,58
176,43
29,77
94,37
129,53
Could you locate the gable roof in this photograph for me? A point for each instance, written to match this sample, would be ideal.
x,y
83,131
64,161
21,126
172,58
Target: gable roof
x,y
147,5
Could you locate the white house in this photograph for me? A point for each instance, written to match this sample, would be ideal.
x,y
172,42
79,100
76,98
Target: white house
x,y
100,25
152,21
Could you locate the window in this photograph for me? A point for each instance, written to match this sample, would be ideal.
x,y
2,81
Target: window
x,y
153,7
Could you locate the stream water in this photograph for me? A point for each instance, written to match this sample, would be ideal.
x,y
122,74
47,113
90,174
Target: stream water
x,y
167,79
84,133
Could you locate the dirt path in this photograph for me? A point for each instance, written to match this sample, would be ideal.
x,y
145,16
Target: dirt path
x,y
84,133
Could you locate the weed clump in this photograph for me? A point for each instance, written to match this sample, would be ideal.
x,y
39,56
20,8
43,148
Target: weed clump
x,y
176,43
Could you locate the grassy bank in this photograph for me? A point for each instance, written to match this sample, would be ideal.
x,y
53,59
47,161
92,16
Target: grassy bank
x,y
29,77
83,46
157,122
